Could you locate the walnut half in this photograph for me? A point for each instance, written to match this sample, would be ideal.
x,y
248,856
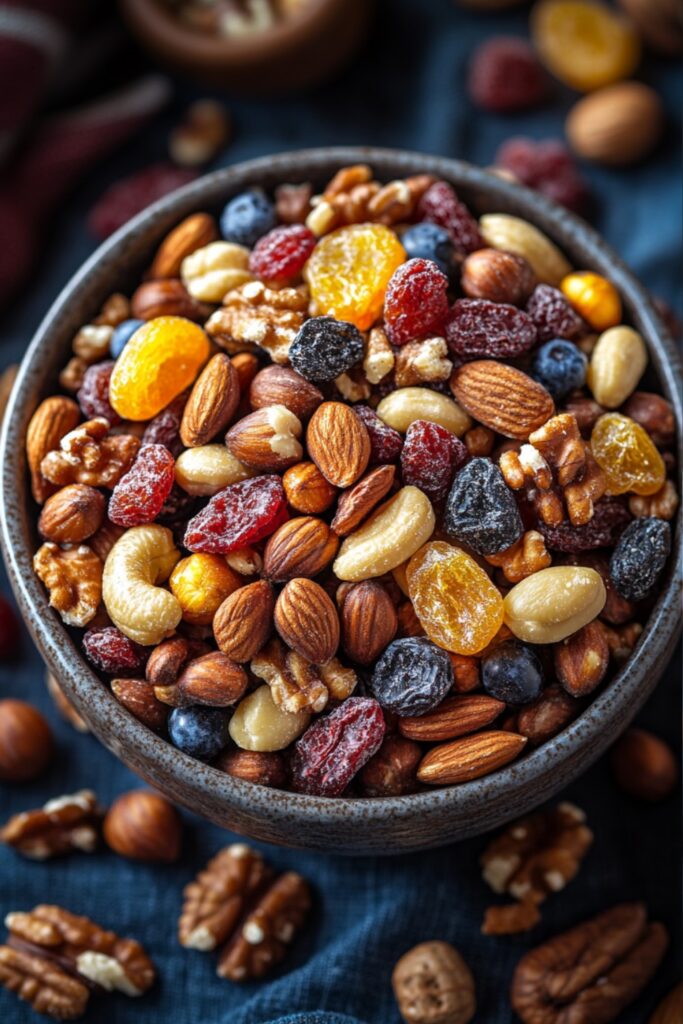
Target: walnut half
x,y
62,825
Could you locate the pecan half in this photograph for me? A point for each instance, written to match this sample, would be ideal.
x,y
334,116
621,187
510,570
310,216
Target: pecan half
x,y
238,904
43,984
591,973
62,825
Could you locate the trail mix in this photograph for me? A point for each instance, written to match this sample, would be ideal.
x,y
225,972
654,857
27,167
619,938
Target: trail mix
x,y
355,493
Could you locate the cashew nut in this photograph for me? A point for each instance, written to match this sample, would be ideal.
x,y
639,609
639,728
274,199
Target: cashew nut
x,y
207,470
554,603
401,408
139,561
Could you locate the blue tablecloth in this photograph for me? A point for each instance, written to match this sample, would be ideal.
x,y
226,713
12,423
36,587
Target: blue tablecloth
x,y
405,89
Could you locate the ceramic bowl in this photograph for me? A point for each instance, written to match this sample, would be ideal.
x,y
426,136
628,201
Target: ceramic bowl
x,y
360,826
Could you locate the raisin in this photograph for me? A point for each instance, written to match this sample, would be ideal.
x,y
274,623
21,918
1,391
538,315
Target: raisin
x,y
93,394
477,327
431,455
546,166
505,74
640,557
179,505
337,746
128,196
140,494
165,427
109,650
610,519
324,348
552,314
385,442
416,301
512,672
412,676
281,254
239,515
627,455
440,205
481,510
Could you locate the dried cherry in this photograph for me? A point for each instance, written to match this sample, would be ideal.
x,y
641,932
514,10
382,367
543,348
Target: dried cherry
x,y
477,327
334,748
440,205
281,254
93,394
109,650
140,494
430,456
239,515
416,301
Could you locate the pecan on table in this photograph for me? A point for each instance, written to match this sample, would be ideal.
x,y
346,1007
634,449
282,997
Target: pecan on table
x,y
533,857
62,825
44,985
591,973
238,904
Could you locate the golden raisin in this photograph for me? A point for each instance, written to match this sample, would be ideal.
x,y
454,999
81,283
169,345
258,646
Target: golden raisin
x,y
594,298
201,583
626,454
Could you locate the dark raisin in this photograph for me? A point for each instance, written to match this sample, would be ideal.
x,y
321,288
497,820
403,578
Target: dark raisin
x,y
505,74
512,672
412,676
547,166
481,510
440,205
336,747
640,557
385,442
552,314
165,427
477,327
609,521
431,455
324,348
109,650
93,394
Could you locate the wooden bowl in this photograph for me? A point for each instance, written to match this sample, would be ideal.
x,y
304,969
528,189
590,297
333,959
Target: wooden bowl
x,y
360,826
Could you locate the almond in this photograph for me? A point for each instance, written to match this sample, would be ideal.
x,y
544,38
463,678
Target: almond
x,y
137,696
582,660
192,233
72,514
358,502
52,420
242,624
307,489
168,297
369,621
266,439
307,620
300,547
455,716
166,661
263,768
469,757
279,385
212,403
502,397
339,443
617,125
214,679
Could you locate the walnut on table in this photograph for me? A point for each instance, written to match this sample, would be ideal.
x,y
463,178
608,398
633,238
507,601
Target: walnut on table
x,y
63,825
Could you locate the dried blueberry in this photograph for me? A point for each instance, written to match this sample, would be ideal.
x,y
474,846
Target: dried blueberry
x,y
639,558
481,510
324,348
477,327
412,676
512,672
560,367
247,217
123,332
430,242
552,314
199,731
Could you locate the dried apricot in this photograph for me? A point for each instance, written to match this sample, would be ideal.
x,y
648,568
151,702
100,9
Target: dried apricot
x,y
626,454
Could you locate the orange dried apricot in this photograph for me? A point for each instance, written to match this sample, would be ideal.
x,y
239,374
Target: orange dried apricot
x,y
627,455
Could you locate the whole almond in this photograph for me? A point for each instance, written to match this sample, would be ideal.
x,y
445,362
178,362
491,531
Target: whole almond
x,y
266,439
242,624
72,514
300,547
497,276
617,125
168,297
455,716
550,714
358,502
214,679
469,757
502,397
339,443
192,233
280,385
261,767
307,621
54,417
307,489
165,663
369,621
137,696
212,403
582,660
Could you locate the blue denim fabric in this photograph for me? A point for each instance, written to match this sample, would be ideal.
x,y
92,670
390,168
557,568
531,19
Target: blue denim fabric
x,y
405,89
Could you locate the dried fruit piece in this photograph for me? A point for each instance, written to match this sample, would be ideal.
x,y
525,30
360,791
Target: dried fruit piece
x,y
608,522
281,254
440,205
481,510
412,676
627,455
350,269
334,748
552,314
109,650
547,166
324,348
512,673
385,442
431,455
639,558
477,327
416,301
93,394
139,496
239,515
505,75
128,196
560,367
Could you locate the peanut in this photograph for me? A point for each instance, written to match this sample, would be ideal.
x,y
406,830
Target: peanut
x,y
512,234
617,364
401,408
207,470
210,272
259,724
139,561
554,603
388,538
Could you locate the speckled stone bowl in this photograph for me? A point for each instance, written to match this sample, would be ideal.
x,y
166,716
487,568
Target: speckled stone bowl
x,y
341,826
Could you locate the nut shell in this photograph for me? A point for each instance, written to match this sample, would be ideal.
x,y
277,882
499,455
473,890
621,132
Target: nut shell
x,y
307,620
143,826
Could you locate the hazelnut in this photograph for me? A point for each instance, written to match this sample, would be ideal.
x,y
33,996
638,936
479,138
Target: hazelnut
x,y
72,514
393,769
307,489
143,826
496,276
26,743
644,765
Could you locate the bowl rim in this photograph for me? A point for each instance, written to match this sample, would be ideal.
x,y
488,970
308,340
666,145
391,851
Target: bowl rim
x,y
155,757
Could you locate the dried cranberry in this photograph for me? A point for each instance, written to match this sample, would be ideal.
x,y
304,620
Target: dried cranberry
x,y
505,74
165,427
238,515
281,254
416,301
440,205
385,442
552,314
109,650
93,394
140,494
609,521
128,196
477,327
431,455
336,747
546,166
9,630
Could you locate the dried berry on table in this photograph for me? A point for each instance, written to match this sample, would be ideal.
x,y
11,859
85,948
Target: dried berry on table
x,y
129,196
505,75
